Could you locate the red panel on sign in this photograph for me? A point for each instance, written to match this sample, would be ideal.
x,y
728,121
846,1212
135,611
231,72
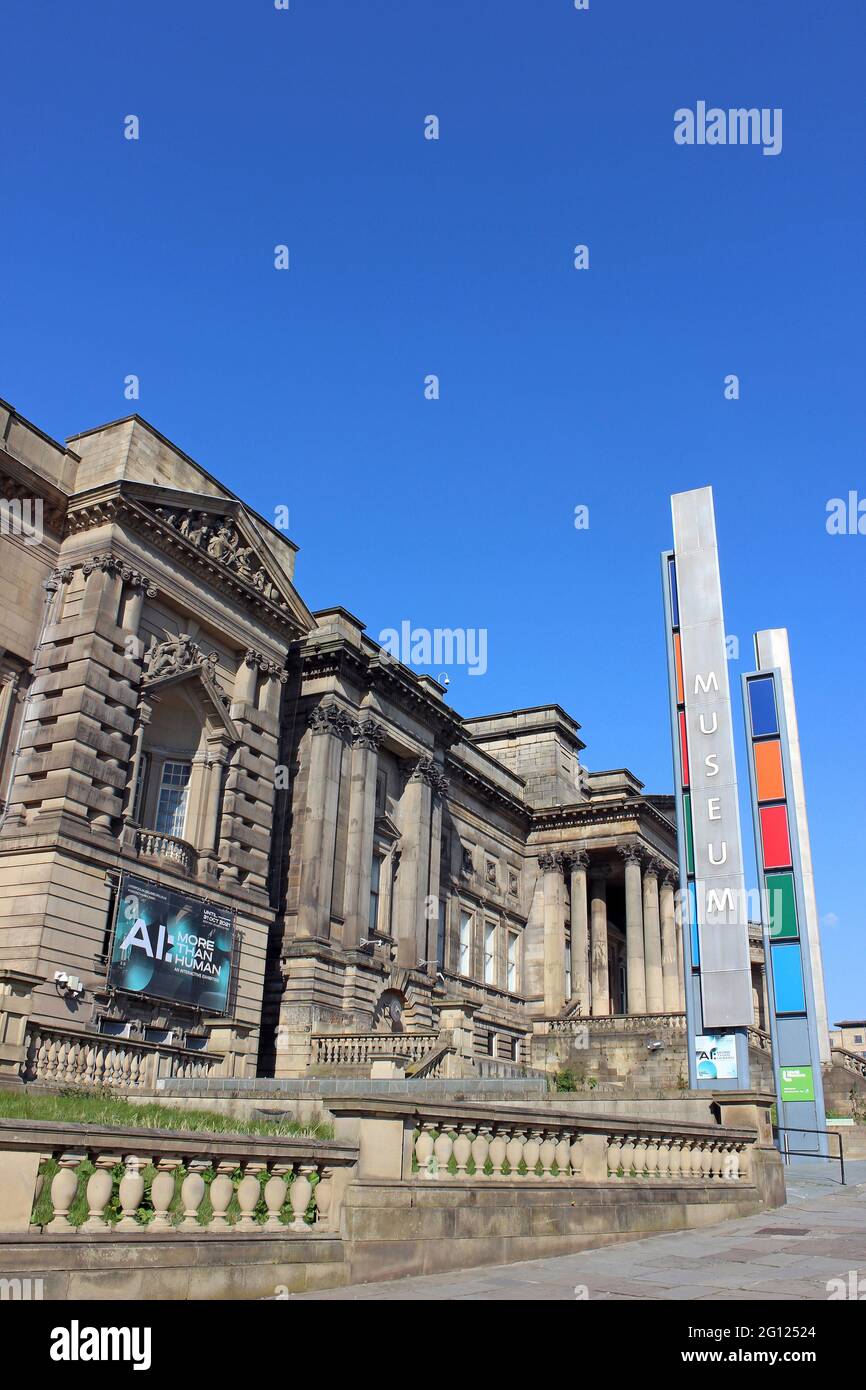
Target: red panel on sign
x,y
684,750
775,839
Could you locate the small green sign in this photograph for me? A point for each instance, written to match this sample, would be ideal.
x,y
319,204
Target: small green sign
x,y
797,1083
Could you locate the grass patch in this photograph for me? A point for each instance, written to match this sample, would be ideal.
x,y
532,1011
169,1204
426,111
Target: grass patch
x,y
106,1109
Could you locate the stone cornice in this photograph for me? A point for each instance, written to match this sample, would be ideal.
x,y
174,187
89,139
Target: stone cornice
x,y
582,816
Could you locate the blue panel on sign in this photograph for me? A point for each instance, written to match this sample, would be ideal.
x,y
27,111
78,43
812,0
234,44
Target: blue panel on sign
x,y
788,978
762,703
693,919
675,601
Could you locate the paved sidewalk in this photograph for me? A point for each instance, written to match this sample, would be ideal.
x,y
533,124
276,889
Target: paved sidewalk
x,y
785,1255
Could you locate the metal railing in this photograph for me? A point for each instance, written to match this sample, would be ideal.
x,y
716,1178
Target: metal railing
x,y
788,1153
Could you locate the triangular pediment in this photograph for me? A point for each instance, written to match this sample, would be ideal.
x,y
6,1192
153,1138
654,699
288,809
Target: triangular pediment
x,y
179,660
216,535
385,828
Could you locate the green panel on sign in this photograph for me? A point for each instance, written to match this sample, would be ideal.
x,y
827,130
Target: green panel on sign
x,y
797,1083
690,843
781,905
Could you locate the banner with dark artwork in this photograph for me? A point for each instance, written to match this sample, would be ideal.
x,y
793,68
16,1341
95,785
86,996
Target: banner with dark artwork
x,y
169,945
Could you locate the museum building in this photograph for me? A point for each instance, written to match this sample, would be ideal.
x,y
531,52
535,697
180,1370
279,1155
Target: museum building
x,y
240,838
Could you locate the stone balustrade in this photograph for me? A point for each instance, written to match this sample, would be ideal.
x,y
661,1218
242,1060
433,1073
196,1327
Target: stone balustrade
x,y
130,1182
57,1057
151,844
610,1023
360,1049
494,1143
850,1061
487,1152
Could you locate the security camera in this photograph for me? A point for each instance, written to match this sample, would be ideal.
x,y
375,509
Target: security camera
x,y
654,1046
61,978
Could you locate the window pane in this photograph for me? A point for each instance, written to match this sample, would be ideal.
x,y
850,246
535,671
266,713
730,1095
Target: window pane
x,y
465,942
171,806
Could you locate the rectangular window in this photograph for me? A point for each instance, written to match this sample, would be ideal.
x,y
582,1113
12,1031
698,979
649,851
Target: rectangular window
x,y
173,792
465,943
375,878
440,934
512,948
490,953
567,969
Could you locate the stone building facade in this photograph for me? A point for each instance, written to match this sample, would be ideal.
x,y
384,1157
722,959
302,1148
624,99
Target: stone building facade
x,y
171,708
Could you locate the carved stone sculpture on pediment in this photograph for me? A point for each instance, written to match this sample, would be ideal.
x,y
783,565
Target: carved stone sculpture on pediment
x,y
173,655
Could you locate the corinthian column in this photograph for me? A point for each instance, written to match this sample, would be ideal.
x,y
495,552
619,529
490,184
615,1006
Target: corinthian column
x,y
652,939
362,817
578,861
670,973
330,728
550,863
634,948
598,925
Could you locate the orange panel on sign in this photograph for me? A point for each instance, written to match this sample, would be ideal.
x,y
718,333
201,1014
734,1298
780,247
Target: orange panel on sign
x,y
768,770
678,659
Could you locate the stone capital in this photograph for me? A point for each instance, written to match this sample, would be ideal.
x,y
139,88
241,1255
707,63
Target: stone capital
x,y
331,719
576,858
631,853
550,861
369,734
426,769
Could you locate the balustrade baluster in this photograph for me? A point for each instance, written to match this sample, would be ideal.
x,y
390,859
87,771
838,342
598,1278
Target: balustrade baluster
x,y
481,1150
651,1158
64,1186
575,1156
324,1196
498,1150
221,1190
640,1152
614,1155
249,1191
443,1149
276,1189
300,1193
562,1153
131,1192
531,1150
547,1154
664,1158
100,1185
162,1192
463,1149
627,1155
514,1151
424,1148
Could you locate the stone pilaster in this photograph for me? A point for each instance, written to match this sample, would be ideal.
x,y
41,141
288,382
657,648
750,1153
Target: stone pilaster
x,y
412,886
550,863
578,862
635,967
670,944
598,876
362,816
330,728
652,938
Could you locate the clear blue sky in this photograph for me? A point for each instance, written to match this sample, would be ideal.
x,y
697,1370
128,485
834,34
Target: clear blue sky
x,y
409,257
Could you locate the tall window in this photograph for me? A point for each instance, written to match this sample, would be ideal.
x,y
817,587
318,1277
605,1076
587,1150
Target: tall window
x,y
567,968
173,793
375,879
440,934
465,943
490,953
511,960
